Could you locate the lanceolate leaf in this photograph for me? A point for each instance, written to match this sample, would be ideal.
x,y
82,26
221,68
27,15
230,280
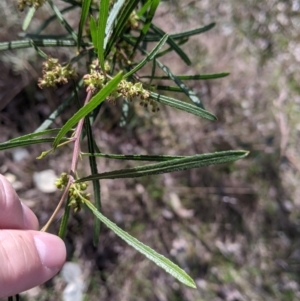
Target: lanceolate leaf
x,y
84,13
172,102
103,15
190,77
168,88
28,18
187,91
36,134
29,139
93,29
112,19
144,8
96,183
40,43
149,57
84,111
63,21
180,42
64,221
120,23
173,45
39,50
16,143
193,32
147,23
159,158
152,255
184,34
170,166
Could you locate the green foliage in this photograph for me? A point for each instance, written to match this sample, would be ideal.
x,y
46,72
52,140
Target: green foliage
x,y
110,45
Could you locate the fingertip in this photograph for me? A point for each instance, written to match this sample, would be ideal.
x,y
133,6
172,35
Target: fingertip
x,y
51,250
14,214
29,218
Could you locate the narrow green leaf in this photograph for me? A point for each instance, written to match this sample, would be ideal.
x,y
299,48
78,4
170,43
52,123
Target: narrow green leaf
x,y
181,35
152,255
103,15
84,13
40,43
96,183
172,102
93,29
144,8
193,32
47,36
84,111
36,134
63,21
173,45
28,18
64,221
168,88
38,50
180,42
187,91
134,157
170,166
147,23
21,143
149,57
114,12
120,23
190,77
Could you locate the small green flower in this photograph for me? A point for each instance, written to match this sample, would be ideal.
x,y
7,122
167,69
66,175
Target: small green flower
x,y
54,74
30,3
95,80
133,21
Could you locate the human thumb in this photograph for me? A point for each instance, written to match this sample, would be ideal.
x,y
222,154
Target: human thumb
x,y
27,259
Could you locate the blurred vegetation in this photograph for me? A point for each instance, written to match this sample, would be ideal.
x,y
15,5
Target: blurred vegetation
x,y
234,228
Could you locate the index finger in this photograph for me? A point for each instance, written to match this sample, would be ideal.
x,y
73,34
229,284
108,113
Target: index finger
x,y
14,214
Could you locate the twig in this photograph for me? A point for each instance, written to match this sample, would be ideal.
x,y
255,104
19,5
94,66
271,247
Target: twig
x,y
75,156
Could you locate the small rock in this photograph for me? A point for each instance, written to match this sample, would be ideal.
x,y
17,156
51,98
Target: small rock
x,y
44,180
19,154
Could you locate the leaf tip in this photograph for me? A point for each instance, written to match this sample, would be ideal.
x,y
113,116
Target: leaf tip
x,y
191,284
246,153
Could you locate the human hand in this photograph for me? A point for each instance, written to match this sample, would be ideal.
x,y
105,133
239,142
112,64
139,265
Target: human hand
x,y
27,257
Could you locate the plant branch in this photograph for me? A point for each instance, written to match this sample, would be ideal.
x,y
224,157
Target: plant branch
x,y
75,156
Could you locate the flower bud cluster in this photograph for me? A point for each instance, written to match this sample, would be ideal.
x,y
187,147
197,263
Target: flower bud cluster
x,y
130,91
55,74
62,181
133,21
96,79
77,194
30,3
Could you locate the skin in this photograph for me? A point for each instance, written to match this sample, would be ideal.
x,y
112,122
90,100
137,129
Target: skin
x,y
28,257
